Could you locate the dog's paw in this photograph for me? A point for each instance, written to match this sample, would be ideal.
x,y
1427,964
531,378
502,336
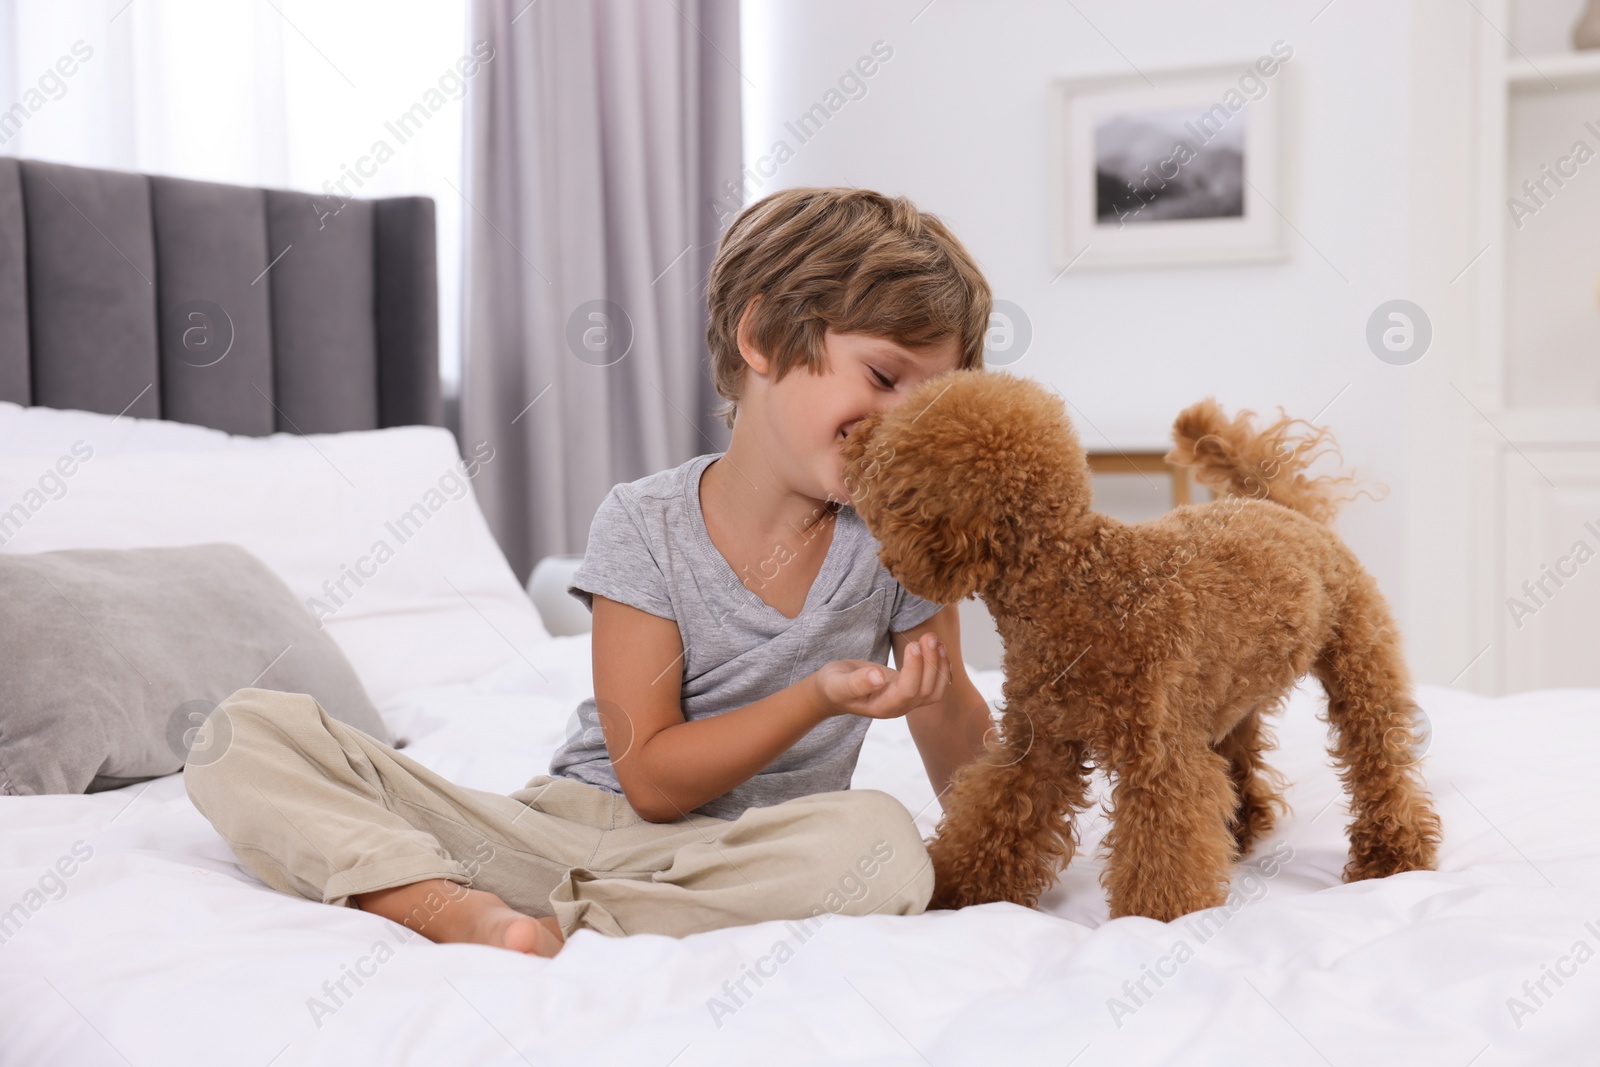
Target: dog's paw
x,y
1385,862
950,892
951,897
1410,851
1167,904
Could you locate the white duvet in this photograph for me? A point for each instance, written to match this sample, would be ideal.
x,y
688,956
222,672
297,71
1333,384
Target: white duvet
x,y
130,935
158,949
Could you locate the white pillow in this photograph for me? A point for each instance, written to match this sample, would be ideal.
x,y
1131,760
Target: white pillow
x,y
377,532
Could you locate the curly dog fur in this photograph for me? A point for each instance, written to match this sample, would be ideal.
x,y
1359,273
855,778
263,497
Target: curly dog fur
x,y
1153,650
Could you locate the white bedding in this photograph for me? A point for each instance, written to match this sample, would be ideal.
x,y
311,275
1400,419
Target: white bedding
x,y
159,949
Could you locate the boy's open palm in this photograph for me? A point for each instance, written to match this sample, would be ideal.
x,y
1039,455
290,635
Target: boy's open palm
x,y
862,687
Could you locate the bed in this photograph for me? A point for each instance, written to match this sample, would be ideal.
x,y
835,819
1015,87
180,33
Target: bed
x,y
159,948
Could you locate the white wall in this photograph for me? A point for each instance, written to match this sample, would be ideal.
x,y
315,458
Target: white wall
x,y
957,119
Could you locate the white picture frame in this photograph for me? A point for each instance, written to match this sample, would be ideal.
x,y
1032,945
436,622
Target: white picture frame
x,y
1208,207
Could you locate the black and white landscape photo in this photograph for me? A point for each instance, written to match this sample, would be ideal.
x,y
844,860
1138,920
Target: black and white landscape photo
x,y
1157,166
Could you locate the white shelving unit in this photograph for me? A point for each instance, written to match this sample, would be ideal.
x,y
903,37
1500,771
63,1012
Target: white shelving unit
x,y
1552,72
1538,290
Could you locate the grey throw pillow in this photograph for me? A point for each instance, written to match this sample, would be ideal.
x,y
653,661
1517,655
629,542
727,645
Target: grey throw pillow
x,y
111,659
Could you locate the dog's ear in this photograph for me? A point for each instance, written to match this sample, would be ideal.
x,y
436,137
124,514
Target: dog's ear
x,y
863,455
973,469
940,558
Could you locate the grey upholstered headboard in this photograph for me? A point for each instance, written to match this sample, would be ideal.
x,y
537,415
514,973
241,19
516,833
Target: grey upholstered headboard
x,y
247,310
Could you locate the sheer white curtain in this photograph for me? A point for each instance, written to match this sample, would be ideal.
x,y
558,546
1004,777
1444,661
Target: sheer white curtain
x,y
359,95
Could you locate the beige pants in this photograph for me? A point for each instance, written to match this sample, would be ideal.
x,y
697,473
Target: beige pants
x,y
322,810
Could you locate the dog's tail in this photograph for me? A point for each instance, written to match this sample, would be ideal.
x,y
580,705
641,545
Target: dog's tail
x,y
1233,458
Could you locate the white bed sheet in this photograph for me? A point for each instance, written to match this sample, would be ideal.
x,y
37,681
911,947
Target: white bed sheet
x,y
162,950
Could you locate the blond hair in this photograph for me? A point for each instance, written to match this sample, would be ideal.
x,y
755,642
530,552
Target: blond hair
x,y
850,260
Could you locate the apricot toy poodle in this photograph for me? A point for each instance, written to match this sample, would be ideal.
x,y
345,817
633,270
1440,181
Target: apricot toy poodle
x,y
1153,650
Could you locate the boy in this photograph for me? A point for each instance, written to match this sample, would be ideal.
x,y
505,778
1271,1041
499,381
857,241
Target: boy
x,y
742,624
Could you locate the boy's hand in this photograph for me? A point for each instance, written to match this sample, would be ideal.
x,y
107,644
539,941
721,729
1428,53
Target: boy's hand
x,y
861,687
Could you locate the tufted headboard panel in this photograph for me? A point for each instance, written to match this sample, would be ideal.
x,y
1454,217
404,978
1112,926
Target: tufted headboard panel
x,y
247,310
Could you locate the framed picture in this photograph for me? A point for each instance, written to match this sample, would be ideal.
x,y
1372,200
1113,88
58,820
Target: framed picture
x,y
1185,170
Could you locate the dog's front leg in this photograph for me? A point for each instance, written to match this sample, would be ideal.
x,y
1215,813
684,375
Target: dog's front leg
x,y
1171,843
1008,829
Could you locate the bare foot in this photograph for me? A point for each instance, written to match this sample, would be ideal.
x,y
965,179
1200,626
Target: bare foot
x,y
445,912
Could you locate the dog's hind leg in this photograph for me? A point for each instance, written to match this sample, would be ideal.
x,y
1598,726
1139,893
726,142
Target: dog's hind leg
x,y
1008,827
1370,707
1258,784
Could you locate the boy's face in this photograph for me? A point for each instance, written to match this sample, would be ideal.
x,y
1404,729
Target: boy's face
x,y
804,419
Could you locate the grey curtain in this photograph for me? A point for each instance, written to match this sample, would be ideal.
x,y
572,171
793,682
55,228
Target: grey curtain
x,y
603,141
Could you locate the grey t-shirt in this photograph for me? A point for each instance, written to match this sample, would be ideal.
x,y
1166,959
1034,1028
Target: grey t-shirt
x,y
648,548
